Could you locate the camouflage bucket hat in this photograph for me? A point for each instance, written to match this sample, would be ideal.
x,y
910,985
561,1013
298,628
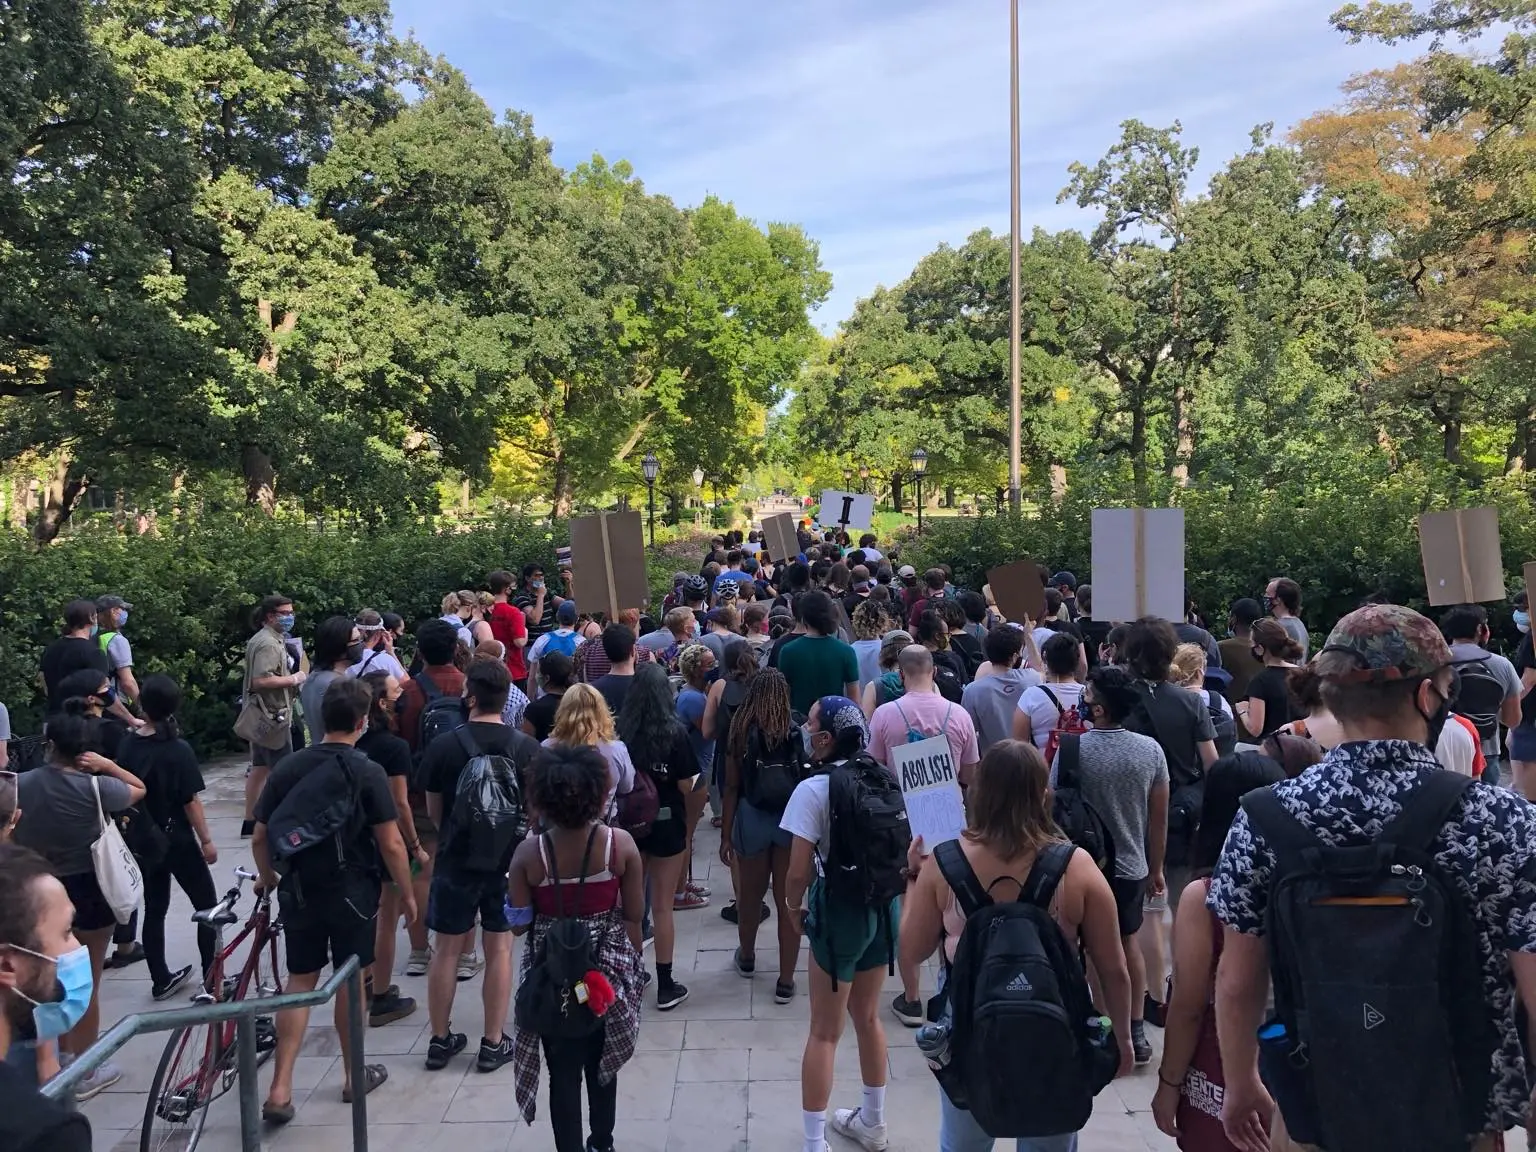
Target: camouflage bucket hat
x,y
1382,642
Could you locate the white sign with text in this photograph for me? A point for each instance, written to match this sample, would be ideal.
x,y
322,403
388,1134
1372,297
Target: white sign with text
x,y
846,509
930,782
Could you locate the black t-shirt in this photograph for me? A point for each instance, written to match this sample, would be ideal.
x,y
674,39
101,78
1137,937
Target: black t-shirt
x,y
375,805
540,714
615,690
1095,633
1525,658
388,751
1194,634
172,778
1269,686
446,757
30,1122
70,654
1180,720
676,763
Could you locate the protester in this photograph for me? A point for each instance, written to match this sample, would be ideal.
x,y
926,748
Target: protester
x,y
328,894
46,982
338,646
517,703
818,664
1282,600
852,946
1268,707
928,597
992,699
1009,829
173,784
112,618
1385,676
950,672
1045,706
678,628
754,620
378,640
508,624
458,610
965,646
75,650
583,718
560,639
466,886
696,664
1237,649
870,624
1186,1105
269,678
582,874
558,673
1065,586
725,695
1488,691
1191,631
1189,671
538,604
888,686
658,745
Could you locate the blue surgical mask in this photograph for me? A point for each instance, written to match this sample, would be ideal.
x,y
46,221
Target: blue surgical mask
x,y
1523,621
54,1018
122,618
95,629
285,623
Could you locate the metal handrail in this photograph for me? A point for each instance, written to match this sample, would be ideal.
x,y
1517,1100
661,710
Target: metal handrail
x,y
244,1013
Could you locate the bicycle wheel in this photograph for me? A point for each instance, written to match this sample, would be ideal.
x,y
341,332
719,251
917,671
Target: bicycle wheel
x,y
181,1091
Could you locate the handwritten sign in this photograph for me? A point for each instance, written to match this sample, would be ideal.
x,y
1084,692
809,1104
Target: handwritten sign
x,y
930,782
846,509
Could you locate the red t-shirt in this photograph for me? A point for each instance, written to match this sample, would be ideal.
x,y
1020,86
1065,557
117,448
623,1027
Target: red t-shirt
x,y
508,624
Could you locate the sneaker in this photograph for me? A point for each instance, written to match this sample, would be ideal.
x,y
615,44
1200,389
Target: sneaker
x,y
745,965
688,901
783,991
698,888
98,1081
494,1056
246,828
168,989
647,938
1152,1012
469,966
850,1122
909,1012
388,1008
1141,1047
420,959
731,916
670,997
441,1049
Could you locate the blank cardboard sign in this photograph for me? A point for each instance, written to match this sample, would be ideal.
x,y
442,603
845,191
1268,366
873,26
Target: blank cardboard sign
x,y
779,536
1017,591
1462,560
608,562
1138,563
1529,571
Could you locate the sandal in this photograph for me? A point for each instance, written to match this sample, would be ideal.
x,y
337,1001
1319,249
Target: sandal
x,y
374,1074
277,1114
687,901
714,821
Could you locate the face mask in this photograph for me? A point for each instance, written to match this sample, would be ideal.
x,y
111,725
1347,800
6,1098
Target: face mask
x,y
285,623
122,619
537,585
73,985
108,698
95,630
1523,621
1436,721
1268,603
355,651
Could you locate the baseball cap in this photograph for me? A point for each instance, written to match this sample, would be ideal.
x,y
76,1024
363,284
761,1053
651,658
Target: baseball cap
x,y
749,564
1382,642
566,613
107,602
907,572
1064,578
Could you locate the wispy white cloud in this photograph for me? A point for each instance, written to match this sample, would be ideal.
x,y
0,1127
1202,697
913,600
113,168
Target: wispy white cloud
x,y
883,127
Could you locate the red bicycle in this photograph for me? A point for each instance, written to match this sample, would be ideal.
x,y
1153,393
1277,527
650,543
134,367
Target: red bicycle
x,y
200,1061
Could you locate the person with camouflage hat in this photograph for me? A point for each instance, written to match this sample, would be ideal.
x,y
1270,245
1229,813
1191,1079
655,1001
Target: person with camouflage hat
x,y
1386,677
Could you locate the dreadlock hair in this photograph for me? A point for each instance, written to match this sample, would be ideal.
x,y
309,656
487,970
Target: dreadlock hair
x,y
764,708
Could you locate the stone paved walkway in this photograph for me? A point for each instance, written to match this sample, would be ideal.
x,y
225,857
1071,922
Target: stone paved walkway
x,y
718,1074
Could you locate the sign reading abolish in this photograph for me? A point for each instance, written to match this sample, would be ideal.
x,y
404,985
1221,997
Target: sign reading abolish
x,y
930,782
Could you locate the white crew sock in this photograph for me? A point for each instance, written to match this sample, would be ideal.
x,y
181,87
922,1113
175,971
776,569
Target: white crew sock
x,y
873,1109
815,1130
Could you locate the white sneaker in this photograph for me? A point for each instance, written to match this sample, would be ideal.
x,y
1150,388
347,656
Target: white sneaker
x,y
850,1122
470,965
98,1081
417,964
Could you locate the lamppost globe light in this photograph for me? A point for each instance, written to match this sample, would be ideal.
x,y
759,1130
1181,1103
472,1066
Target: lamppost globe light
x,y
919,461
863,471
650,466
698,477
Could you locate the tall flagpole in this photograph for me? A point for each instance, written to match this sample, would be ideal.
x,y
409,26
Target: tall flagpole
x,y
1015,416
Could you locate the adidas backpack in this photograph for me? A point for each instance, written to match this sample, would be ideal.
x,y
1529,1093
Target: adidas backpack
x,y
1027,1052
1068,721
1073,814
488,817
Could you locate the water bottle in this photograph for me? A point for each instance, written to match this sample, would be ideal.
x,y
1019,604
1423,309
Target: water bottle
x,y
933,1042
1099,1029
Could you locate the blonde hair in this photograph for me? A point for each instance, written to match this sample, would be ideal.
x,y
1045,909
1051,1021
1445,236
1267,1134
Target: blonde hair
x,y
690,661
583,717
1188,667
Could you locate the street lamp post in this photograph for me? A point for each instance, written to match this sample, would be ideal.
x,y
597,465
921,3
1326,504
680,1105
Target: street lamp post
x,y
650,466
698,487
864,479
919,466
847,479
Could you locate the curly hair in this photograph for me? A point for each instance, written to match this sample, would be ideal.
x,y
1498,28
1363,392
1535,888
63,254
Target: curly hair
x,y
568,784
583,717
869,621
765,709
648,722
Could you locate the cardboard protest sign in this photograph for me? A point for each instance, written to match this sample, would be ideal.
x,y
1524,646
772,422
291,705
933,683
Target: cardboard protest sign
x,y
930,782
846,509
1138,563
1017,591
1462,561
779,536
1530,582
608,562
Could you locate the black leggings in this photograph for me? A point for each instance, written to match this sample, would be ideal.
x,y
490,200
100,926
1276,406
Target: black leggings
x,y
568,1060
184,862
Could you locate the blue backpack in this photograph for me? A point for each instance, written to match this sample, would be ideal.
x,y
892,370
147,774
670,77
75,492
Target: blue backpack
x,y
566,645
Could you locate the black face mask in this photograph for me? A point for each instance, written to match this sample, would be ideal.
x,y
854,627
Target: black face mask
x,y
355,651
1436,720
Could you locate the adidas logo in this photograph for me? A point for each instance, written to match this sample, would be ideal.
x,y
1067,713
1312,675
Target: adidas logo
x,y
1020,983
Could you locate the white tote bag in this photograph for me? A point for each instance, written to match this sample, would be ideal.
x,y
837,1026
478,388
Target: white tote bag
x,y
117,872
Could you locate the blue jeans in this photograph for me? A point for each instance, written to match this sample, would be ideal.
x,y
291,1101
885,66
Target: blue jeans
x,y
959,1132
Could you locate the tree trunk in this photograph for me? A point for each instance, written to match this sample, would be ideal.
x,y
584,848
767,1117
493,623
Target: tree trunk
x,y
949,495
20,498
464,496
1452,437
562,496
260,479
1517,455
1184,446
896,494
1139,451
119,510
60,496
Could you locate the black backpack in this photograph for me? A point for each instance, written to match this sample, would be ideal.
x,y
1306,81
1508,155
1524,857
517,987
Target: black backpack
x,y
440,713
549,999
307,829
1027,1052
1382,1039
488,817
1073,814
768,777
1479,696
1186,796
866,862
1223,722
950,683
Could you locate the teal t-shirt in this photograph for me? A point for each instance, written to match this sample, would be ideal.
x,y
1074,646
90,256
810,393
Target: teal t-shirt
x,y
817,666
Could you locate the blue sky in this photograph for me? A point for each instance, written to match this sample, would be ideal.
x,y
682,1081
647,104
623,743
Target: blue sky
x,y
882,125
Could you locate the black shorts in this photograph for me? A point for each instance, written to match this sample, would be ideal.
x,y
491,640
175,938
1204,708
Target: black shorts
x,y
1129,895
329,925
92,912
456,898
268,757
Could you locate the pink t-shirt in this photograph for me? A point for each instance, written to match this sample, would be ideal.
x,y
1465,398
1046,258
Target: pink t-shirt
x,y
928,713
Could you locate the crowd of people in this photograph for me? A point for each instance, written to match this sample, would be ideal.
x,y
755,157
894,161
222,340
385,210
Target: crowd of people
x,y
1185,819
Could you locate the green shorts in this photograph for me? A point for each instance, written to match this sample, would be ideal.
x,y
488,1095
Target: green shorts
x,y
846,940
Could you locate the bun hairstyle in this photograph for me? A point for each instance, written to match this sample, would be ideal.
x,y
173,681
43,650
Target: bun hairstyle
x,y
1271,636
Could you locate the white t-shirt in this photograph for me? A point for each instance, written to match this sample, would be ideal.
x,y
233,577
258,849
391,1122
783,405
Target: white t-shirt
x,y
1456,750
808,814
1042,713
379,661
